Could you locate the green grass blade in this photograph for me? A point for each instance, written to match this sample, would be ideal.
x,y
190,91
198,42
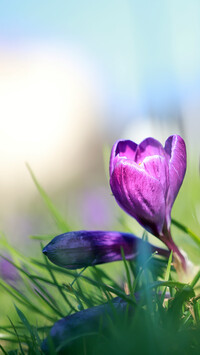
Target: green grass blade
x,y
174,284
3,350
176,305
45,237
54,309
195,279
7,338
127,273
108,288
187,230
12,292
135,282
78,298
60,221
15,254
33,280
97,276
19,342
58,269
28,326
78,275
24,300
49,282
48,266
167,275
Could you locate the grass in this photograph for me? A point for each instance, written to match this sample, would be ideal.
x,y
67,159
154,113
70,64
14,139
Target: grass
x,y
134,306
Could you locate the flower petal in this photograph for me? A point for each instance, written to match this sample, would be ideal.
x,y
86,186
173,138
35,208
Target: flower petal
x,y
139,194
176,151
120,149
148,147
157,167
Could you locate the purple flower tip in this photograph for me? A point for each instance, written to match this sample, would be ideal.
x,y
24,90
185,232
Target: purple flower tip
x,y
145,180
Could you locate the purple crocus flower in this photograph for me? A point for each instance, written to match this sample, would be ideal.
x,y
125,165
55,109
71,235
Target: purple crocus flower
x,y
79,249
145,179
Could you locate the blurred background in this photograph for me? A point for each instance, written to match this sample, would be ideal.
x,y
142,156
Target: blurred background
x,y
75,76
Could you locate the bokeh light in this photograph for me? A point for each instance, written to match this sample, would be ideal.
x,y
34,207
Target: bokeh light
x,y
76,75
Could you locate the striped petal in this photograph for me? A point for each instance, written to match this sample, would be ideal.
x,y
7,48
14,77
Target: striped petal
x,y
139,194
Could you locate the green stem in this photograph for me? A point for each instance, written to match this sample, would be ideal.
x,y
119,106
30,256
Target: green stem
x,y
167,239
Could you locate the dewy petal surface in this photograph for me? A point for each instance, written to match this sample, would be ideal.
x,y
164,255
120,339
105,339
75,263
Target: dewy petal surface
x,y
176,151
122,148
148,147
139,194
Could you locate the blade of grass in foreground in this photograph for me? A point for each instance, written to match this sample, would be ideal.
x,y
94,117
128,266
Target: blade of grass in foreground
x,y
167,275
108,288
19,342
187,230
3,351
45,237
41,265
48,298
60,314
174,284
28,326
195,279
17,255
100,291
48,266
24,300
61,223
136,281
127,274
87,279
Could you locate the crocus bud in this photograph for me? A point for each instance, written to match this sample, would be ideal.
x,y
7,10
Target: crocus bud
x,y
145,180
79,249
67,330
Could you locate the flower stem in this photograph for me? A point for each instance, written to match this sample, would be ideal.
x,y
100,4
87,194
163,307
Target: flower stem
x,y
179,259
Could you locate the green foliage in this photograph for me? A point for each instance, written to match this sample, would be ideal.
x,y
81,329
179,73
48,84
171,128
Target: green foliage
x,y
162,315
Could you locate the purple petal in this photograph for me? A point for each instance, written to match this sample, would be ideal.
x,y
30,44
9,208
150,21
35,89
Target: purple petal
x,y
148,147
79,249
176,151
120,149
157,167
139,194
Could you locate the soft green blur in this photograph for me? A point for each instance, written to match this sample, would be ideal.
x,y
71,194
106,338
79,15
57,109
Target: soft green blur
x,y
74,78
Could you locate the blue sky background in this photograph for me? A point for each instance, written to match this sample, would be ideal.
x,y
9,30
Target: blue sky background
x,y
147,52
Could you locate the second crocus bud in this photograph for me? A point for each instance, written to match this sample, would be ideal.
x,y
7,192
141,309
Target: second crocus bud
x,y
74,250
